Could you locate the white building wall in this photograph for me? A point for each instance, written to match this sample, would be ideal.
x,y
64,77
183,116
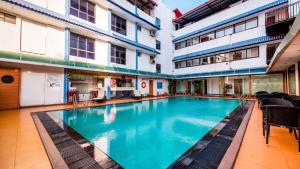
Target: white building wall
x,y
213,86
145,91
48,86
222,15
10,35
53,5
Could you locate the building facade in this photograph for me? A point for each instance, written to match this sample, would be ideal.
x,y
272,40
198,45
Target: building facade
x,y
51,47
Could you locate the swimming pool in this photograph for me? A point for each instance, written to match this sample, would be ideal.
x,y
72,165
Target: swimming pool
x,y
148,134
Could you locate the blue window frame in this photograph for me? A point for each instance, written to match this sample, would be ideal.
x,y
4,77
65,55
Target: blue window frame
x,y
159,85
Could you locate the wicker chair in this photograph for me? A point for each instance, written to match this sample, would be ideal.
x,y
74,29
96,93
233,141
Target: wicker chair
x,y
282,116
271,102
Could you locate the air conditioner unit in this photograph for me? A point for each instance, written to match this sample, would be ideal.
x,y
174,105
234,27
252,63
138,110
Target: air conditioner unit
x,y
152,60
152,33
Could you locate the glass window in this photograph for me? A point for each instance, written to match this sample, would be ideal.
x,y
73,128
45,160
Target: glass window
x,y
204,61
158,44
189,63
229,30
207,37
83,9
220,33
118,54
182,64
177,45
196,62
183,44
268,82
176,65
189,42
292,80
238,55
252,52
158,68
220,58
228,57
240,27
252,23
196,40
82,46
159,85
118,24
212,59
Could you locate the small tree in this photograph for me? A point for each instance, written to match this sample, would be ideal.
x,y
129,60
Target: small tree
x,y
197,88
171,87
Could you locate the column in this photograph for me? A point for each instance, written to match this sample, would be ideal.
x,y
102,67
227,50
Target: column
x,y
297,79
250,85
66,58
107,87
222,85
186,87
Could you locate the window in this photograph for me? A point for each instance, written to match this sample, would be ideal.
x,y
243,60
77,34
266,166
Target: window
x,y
158,68
118,55
158,44
196,62
252,52
189,42
220,58
139,28
189,63
220,33
196,40
229,30
182,44
207,37
212,59
252,23
238,55
177,45
139,53
118,24
176,65
240,27
228,57
83,9
159,85
182,64
7,18
82,46
204,61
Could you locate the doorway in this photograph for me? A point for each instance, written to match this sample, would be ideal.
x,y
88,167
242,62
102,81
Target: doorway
x,y
9,89
150,87
238,87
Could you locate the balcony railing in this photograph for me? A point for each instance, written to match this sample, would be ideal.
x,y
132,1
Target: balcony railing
x,y
283,14
271,49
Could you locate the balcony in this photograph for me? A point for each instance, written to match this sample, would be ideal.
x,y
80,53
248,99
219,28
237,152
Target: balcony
x,y
280,20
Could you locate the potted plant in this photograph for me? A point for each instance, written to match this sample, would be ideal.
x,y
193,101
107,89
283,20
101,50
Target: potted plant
x,y
227,87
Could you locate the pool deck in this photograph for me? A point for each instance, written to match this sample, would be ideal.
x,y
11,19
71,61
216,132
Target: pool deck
x,y
21,146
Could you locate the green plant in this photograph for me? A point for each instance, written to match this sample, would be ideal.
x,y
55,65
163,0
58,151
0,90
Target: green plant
x,y
172,87
197,87
226,89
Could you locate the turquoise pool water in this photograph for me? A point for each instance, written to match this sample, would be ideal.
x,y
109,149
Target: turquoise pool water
x,y
148,134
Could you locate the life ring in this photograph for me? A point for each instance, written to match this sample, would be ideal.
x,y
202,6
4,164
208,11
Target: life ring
x,y
143,84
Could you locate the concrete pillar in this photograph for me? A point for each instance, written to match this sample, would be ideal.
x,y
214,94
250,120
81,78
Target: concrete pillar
x,y
107,87
250,85
186,87
297,79
222,85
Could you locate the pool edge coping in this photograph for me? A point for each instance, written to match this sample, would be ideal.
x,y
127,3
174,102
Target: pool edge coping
x,y
231,154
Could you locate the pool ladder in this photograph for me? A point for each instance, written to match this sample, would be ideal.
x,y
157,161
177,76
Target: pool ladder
x,y
74,102
243,100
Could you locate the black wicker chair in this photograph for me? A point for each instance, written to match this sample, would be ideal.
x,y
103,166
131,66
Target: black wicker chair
x,y
271,102
282,116
281,95
264,96
261,92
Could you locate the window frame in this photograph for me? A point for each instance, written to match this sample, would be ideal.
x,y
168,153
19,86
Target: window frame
x,y
89,54
117,20
116,55
88,16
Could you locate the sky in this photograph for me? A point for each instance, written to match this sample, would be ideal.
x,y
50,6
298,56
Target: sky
x,y
183,5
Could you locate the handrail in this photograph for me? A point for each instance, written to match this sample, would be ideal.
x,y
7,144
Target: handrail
x,y
74,99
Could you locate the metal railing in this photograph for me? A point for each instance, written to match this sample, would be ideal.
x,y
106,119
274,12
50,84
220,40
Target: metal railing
x,y
283,14
271,49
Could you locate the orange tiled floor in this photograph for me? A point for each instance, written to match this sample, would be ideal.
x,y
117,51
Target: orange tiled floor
x,y
281,153
21,147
